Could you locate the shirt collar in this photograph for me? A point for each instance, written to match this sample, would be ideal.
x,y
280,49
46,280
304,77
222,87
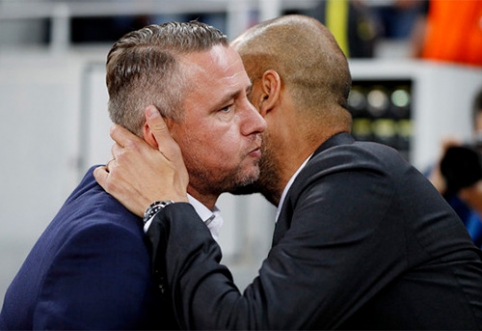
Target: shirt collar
x,y
212,218
287,187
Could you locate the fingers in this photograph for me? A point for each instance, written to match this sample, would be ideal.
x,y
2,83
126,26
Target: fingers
x,y
101,174
166,144
116,151
158,128
122,136
144,170
156,123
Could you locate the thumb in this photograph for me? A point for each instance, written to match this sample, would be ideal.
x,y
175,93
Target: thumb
x,y
156,124
166,145
160,132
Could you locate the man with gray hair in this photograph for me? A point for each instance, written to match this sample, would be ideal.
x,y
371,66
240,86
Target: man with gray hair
x,y
90,269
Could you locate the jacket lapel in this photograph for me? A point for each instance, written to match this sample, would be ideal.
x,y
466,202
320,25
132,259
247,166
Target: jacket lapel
x,y
287,210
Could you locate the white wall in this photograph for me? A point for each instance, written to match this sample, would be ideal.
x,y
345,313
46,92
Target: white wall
x,y
39,106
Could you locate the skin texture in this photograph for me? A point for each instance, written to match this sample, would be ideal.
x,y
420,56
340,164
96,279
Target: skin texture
x,y
299,90
219,134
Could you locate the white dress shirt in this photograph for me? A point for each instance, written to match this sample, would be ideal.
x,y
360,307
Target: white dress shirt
x,y
212,219
287,187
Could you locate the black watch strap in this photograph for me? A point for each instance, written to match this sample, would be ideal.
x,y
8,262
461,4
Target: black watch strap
x,y
154,208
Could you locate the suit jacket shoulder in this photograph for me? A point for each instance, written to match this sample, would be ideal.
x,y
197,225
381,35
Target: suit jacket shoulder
x,y
90,269
365,204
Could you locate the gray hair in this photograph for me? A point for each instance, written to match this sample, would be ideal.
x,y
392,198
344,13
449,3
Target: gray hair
x,y
143,68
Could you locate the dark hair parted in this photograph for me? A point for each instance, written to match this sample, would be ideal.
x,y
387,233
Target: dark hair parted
x,y
143,68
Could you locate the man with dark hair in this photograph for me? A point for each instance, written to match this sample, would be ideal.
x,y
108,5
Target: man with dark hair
x,y
90,269
458,174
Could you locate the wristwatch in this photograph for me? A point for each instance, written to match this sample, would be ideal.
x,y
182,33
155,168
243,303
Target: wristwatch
x,y
154,208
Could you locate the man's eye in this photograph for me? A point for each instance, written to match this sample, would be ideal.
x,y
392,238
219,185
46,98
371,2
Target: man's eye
x,y
225,109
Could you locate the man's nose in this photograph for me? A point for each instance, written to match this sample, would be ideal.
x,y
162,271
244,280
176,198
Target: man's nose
x,y
253,123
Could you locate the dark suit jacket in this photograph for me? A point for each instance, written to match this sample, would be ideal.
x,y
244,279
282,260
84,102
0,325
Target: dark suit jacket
x,y
363,241
90,269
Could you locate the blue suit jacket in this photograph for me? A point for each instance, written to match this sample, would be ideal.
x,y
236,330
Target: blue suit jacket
x,y
90,269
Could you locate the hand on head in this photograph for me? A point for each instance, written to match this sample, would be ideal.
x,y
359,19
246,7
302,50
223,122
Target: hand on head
x,y
139,173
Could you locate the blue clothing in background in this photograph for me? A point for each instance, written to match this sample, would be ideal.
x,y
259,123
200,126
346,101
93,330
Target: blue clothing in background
x,y
471,219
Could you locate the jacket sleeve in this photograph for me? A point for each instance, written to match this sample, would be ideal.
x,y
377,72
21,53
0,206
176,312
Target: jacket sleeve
x,y
326,264
98,280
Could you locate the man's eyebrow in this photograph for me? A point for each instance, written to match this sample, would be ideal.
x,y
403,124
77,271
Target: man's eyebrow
x,y
231,96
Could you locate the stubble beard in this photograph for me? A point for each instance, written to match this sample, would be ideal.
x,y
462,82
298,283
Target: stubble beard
x,y
211,182
269,177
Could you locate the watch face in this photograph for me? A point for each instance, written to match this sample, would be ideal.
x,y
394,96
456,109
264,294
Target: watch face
x,y
154,208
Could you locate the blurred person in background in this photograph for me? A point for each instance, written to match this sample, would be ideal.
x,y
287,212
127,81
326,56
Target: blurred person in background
x,y
91,269
395,18
458,175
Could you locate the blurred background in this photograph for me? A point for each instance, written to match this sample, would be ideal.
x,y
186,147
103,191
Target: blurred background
x,y
53,101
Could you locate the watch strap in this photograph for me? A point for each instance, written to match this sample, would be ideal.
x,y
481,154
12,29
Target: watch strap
x,y
154,208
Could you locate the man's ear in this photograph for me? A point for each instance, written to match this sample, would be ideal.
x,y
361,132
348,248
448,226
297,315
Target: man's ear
x,y
271,87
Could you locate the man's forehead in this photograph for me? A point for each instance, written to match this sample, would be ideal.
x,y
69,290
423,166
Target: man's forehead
x,y
217,62
200,60
218,73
